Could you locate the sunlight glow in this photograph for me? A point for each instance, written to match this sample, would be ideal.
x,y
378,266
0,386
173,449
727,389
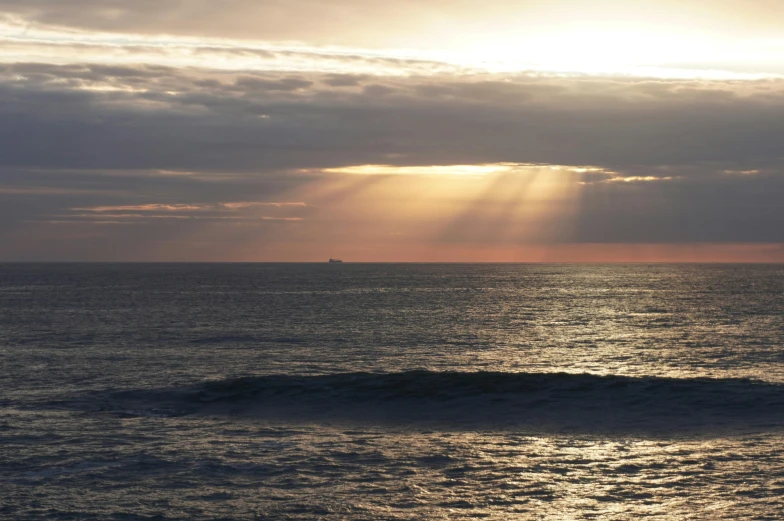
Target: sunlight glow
x,y
450,206
457,170
425,170
638,179
559,50
596,50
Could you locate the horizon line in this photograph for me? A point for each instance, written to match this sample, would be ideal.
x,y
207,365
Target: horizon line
x,y
762,262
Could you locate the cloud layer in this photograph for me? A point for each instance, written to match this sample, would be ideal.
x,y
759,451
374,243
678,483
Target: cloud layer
x,y
116,142
385,23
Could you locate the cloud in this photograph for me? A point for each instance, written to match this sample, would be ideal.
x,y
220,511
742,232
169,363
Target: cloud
x,y
146,118
292,20
210,35
637,179
218,212
345,148
144,208
159,207
376,22
22,40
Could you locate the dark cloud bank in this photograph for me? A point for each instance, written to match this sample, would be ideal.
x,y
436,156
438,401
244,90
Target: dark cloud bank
x,y
703,159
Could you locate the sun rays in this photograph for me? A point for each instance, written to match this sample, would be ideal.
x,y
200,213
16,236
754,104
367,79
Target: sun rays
x,y
449,207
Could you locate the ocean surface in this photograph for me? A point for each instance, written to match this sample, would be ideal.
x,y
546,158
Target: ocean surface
x,y
381,391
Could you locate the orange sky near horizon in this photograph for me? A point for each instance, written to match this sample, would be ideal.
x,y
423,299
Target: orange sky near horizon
x,y
532,253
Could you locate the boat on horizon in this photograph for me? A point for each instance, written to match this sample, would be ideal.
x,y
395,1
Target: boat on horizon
x,y
332,261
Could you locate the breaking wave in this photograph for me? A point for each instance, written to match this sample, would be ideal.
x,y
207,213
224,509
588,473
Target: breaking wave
x,y
560,401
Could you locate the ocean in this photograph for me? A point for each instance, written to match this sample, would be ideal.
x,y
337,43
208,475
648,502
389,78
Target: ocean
x,y
391,391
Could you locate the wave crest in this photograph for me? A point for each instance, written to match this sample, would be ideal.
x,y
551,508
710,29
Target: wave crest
x,y
560,401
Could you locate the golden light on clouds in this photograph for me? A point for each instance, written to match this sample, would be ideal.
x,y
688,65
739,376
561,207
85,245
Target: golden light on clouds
x,y
424,170
592,50
475,170
597,46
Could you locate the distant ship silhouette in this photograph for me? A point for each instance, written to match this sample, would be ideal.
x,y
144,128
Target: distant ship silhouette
x,y
334,260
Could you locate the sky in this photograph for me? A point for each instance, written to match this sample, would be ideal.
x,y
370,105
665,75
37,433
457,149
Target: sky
x,y
392,131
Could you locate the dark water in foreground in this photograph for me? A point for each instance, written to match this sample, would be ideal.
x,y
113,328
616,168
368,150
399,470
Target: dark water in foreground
x,y
391,392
